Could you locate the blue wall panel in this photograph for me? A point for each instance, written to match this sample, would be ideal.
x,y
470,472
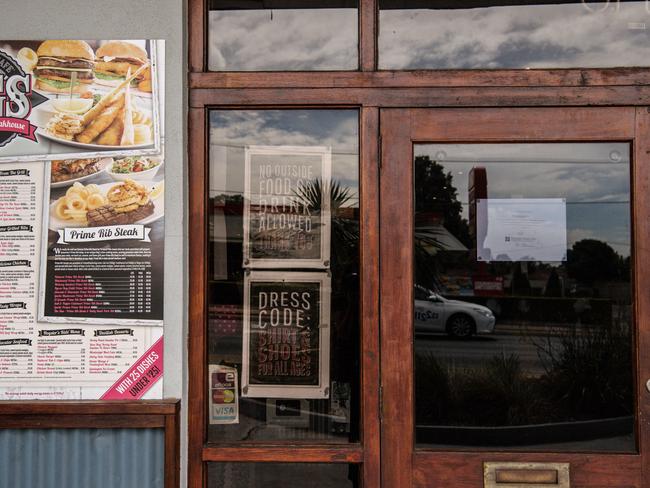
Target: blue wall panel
x,y
82,458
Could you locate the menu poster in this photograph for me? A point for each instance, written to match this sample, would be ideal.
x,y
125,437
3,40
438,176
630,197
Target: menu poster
x,y
287,207
286,335
72,98
103,242
57,362
522,229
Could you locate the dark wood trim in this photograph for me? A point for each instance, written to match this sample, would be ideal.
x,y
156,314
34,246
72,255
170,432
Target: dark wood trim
x,y
197,15
82,421
197,357
369,272
95,414
432,470
396,291
286,453
368,28
421,79
427,97
640,258
87,407
523,124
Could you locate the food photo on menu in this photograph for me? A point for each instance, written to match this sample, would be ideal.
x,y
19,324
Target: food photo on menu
x,y
87,96
105,240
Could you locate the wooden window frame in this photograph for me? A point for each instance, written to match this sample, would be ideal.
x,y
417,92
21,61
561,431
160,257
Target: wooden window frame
x,y
368,90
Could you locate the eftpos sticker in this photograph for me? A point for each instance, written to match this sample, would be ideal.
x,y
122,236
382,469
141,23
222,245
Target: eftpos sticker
x,y
224,395
16,101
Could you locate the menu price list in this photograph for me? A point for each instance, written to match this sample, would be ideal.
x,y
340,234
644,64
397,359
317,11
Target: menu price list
x,y
96,354
16,358
117,293
20,194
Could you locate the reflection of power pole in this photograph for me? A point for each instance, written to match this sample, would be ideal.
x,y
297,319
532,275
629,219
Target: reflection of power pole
x,y
477,189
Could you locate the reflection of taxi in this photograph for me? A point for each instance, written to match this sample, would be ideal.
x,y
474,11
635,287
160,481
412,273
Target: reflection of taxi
x,y
434,313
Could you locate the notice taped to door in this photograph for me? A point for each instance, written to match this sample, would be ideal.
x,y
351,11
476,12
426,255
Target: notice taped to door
x,y
286,335
286,207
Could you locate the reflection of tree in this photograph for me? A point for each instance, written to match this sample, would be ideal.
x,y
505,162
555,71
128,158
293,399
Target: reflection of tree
x,y
553,286
520,283
435,192
590,260
344,241
344,267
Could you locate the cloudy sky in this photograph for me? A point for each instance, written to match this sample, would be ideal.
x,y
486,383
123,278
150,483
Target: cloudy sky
x,y
597,192
533,36
293,39
232,130
527,36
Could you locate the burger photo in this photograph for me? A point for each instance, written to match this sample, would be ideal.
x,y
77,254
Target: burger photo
x,y
114,60
58,60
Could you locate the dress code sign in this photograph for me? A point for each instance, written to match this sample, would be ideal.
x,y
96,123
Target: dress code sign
x,y
286,217
286,335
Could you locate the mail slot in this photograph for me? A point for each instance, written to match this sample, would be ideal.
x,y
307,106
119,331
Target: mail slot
x,y
526,475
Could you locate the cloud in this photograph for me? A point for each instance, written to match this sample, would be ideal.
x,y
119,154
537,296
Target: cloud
x,y
288,39
232,130
532,36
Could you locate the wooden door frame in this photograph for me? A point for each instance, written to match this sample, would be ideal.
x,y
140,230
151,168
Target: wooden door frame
x,y
368,90
366,451
403,465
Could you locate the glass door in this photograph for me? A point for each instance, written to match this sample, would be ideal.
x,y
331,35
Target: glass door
x,y
512,297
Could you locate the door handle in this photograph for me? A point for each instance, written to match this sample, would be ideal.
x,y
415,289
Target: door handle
x,y
526,475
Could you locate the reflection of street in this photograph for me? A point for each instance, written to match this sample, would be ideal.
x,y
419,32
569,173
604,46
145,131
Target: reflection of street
x,y
478,350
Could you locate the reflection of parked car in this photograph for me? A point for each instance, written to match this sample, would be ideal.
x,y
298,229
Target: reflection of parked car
x,y
434,313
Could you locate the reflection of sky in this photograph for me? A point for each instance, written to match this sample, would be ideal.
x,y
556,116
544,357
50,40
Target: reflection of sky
x,y
534,36
291,39
232,130
597,194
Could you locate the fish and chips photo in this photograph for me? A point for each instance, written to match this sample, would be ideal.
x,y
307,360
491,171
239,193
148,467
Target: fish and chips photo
x,y
113,121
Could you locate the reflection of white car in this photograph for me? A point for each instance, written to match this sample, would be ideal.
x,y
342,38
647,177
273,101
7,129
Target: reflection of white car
x,y
434,313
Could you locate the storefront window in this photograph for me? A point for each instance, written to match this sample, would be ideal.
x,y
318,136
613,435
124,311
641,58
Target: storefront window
x,y
496,34
282,35
523,317
302,475
283,282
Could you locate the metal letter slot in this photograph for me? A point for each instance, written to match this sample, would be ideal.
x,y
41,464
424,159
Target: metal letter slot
x,y
526,475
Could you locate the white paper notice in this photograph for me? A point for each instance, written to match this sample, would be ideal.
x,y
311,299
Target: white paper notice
x,y
521,229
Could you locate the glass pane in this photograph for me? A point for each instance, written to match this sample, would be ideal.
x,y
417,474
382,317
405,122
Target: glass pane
x,y
276,475
469,34
284,35
283,328
523,316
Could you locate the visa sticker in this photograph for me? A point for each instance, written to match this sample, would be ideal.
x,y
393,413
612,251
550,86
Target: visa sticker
x,y
224,395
